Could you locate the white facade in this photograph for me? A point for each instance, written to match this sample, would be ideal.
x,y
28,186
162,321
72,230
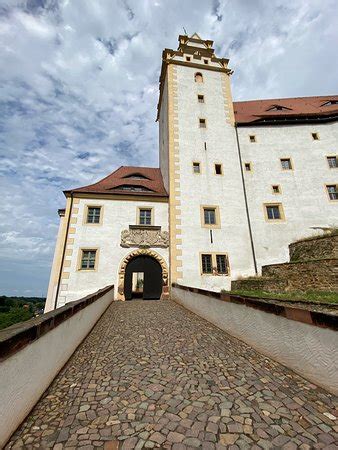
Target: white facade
x,y
105,237
304,198
243,232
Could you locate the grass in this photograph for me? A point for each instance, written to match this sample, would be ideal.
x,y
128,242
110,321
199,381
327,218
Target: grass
x,y
311,296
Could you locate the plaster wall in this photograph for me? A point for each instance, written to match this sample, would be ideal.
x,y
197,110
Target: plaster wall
x,y
117,215
303,193
207,188
27,374
308,350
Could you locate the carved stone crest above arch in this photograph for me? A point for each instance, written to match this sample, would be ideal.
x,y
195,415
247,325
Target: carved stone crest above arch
x,y
134,254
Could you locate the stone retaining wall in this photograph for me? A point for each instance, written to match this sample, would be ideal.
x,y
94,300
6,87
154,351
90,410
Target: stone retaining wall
x,y
303,275
322,247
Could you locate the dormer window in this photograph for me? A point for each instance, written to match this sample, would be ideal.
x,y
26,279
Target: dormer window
x,y
278,108
132,188
137,176
330,102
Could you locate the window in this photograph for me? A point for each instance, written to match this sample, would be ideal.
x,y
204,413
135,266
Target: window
x,y
330,102
188,58
206,61
275,189
286,163
137,176
129,187
315,136
200,98
221,264
209,216
252,138
145,216
274,212
218,169
93,214
206,263
332,190
214,264
198,77
332,161
247,167
203,123
196,167
88,260
278,108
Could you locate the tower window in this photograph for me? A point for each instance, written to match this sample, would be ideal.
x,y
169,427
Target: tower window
x,y
252,138
187,58
196,167
145,216
315,136
203,123
332,190
200,98
247,167
274,212
286,163
275,189
88,258
93,214
209,216
206,61
198,77
332,161
206,263
218,169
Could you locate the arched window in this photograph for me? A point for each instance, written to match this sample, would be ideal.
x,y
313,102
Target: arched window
x,y
198,77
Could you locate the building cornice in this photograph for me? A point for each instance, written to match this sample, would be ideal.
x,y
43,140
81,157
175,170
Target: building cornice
x,y
122,197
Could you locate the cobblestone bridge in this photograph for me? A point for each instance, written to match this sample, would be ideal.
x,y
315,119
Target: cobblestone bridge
x,y
152,374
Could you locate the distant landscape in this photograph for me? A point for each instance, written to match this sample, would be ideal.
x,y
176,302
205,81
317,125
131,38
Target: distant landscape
x,y
18,309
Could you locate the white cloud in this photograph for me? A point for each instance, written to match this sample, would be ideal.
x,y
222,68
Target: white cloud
x,y
79,88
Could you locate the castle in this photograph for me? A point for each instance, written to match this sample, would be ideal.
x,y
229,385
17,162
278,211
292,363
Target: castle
x,y
237,182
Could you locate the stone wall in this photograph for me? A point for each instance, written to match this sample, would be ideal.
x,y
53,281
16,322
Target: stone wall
x,y
315,248
313,266
304,275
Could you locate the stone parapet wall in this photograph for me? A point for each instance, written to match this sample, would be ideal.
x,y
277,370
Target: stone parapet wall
x,y
289,335
33,352
317,248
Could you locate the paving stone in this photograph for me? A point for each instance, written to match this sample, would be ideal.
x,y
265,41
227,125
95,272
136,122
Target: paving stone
x,y
152,374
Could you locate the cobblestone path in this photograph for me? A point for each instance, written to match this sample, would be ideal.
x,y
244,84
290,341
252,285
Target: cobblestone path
x,y
152,374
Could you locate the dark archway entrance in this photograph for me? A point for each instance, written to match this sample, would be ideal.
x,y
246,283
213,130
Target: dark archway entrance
x,y
151,278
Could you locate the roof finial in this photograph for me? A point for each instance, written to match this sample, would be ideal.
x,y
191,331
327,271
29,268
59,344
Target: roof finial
x,y
185,31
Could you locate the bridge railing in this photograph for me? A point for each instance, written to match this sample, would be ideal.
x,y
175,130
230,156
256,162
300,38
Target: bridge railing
x,y
33,352
301,338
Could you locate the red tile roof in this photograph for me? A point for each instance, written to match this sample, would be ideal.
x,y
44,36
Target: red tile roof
x,y
301,107
148,181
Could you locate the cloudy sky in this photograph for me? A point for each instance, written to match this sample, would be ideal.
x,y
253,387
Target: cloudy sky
x,y
79,87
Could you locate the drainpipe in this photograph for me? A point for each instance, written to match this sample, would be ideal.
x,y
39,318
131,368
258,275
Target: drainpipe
x,y
63,251
246,203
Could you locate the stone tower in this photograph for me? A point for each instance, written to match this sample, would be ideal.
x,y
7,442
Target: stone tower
x,y
200,165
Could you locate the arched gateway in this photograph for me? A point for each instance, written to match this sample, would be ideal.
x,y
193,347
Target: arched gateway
x,y
155,275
